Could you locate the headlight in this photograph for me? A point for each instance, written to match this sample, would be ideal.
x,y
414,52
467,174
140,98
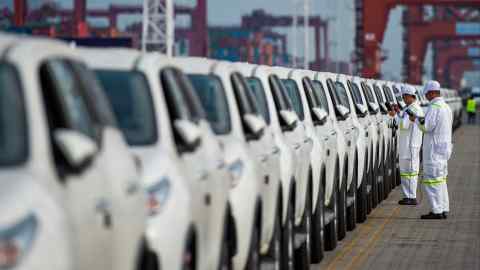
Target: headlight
x,y
16,241
158,195
236,170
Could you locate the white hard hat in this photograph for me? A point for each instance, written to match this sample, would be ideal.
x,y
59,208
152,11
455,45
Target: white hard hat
x,y
431,86
408,90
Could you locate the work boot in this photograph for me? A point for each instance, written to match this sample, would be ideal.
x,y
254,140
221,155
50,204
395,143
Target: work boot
x,y
432,216
407,201
445,215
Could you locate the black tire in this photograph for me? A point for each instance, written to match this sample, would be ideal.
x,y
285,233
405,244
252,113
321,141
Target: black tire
x,y
342,208
225,255
303,253
288,249
374,178
380,181
274,258
352,209
253,262
362,200
330,236
148,259
317,233
189,258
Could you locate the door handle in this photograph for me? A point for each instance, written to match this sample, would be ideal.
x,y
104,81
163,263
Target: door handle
x,y
276,150
333,133
296,146
204,176
103,207
308,140
132,188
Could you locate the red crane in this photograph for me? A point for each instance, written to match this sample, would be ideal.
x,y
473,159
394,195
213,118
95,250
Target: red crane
x,y
372,18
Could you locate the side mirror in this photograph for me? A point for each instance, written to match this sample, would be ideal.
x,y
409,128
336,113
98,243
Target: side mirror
x,y
361,110
78,149
320,115
189,133
342,112
255,125
289,118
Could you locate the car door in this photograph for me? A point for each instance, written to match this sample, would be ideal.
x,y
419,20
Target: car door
x,y
128,203
86,195
194,161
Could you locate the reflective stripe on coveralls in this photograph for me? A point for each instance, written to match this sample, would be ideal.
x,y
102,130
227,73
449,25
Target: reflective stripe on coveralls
x,y
409,174
435,181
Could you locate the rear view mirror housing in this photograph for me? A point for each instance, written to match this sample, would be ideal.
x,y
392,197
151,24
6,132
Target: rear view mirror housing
x,y
342,112
189,133
289,119
255,125
77,149
319,115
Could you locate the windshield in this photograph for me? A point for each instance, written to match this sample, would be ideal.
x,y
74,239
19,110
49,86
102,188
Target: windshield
x,y
321,96
342,94
13,131
129,95
294,94
258,90
368,94
210,90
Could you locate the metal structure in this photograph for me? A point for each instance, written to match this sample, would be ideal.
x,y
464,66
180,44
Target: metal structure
x,y
260,20
158,26
456,68
196,34
372,18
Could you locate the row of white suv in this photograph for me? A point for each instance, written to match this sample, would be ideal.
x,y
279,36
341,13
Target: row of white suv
x,y
114,159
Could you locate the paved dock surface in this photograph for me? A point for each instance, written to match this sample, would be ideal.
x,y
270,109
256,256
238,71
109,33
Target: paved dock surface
x,y
394,237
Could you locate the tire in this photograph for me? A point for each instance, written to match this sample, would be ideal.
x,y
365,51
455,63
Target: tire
x,y
303,253
374,178
342,208
225,256
380,184
148,259
352,209
330,236
274,258
253,262
362,200
288,249
189,258
317,233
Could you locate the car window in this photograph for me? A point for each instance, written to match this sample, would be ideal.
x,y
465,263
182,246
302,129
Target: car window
x,y
388,93
355,92
378,93
243,94
398,96
342,94
13,130
368,93
294,95
311,98
259,92
129,94
319,91
211,93
95,95
75,110
279,94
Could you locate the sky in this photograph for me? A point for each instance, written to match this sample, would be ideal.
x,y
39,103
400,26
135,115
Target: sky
x,y
341,32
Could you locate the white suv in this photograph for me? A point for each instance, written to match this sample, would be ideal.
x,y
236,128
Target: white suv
x,y
67,143
182,129
235,120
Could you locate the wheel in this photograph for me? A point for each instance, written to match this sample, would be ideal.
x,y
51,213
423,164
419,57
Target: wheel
x,y
374,177
317,234
189,258
225,256
253,262
352,209
303,253
380,182
386,179
288,260
274,258
362,198
332,226
342,209
148,260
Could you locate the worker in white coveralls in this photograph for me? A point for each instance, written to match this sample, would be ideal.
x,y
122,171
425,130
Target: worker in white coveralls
x,y
437,149
409,144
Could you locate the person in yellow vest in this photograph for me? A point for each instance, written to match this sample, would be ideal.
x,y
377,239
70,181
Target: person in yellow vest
x,y
472,110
